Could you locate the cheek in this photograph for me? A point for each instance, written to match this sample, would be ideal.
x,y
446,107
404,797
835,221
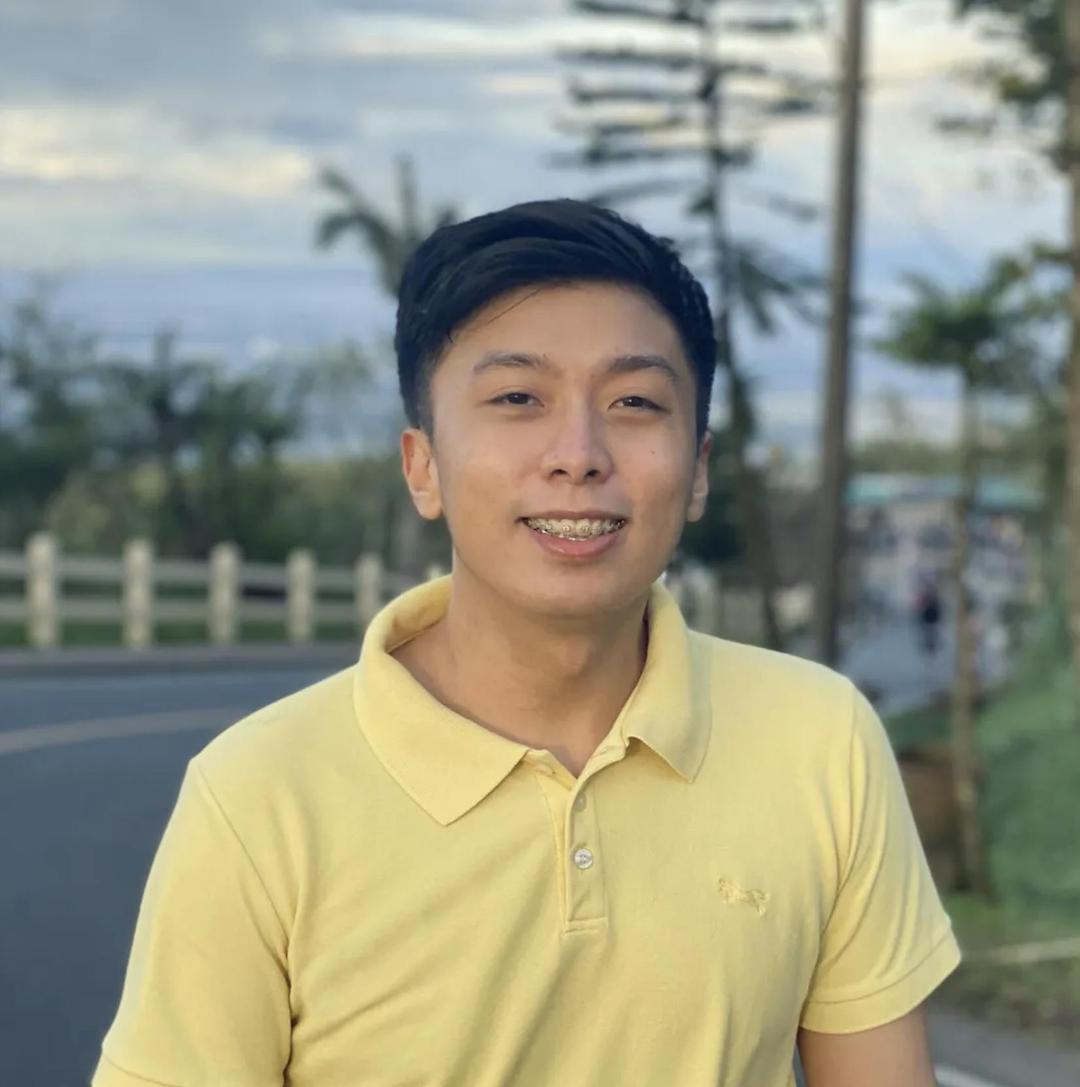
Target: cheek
x,y
659,473
476,486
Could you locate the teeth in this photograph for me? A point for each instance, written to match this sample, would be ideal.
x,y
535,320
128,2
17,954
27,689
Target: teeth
x,y
574,530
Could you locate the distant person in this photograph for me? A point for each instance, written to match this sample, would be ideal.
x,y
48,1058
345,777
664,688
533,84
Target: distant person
x,y
928,615
541,833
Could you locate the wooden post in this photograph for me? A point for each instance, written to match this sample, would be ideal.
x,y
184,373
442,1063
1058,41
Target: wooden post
x,y
368,588
223,597
138,594
42,597
300,598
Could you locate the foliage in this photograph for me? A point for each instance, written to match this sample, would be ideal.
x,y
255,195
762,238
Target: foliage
x,y
47,428
1005,332
987,332
1030,749
1035,25
101,447
389,242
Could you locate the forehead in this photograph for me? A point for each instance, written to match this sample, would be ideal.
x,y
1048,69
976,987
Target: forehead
x,y
572,324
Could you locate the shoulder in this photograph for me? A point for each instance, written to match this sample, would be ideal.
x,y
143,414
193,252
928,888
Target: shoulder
x,y
283,748
780,690
791,724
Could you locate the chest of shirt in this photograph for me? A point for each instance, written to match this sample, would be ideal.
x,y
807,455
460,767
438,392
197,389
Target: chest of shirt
x,y
562,921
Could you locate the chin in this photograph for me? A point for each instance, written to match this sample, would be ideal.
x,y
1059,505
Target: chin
x,y
575,594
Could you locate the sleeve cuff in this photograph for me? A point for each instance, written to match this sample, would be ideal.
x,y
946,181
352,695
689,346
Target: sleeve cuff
x,y
845,1015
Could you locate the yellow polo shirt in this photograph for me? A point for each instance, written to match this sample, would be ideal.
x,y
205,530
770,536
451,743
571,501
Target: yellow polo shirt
x,y
358,886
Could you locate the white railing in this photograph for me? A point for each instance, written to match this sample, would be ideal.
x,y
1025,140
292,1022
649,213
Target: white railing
x,y
141,593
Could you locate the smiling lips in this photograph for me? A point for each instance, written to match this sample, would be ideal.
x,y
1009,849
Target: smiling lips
x,y
584,528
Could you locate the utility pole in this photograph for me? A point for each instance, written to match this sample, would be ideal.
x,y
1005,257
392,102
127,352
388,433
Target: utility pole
x,y
830,536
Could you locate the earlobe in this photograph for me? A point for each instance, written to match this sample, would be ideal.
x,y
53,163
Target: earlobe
x,y
421,473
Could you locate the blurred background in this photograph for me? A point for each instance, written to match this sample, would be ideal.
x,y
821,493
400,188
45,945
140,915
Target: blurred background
x,y
205,210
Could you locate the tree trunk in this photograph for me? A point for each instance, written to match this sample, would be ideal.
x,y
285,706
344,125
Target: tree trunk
x,y
973,874
832,521
753,509
1070,15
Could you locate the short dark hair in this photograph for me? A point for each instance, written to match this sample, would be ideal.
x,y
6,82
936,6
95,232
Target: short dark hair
x,y
460,268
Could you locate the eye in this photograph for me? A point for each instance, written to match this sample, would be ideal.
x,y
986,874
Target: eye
x,y
647,404
505,399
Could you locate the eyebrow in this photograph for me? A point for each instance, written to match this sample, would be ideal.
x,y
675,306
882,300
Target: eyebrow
x,y
620,364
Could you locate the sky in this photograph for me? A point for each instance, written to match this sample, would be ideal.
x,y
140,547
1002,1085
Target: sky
x,y
161,158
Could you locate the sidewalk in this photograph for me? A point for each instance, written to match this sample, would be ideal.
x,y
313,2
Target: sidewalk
x,y
885,660
171,659
1004,1057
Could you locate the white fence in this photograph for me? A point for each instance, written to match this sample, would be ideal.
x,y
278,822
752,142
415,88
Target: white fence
x,y
141,593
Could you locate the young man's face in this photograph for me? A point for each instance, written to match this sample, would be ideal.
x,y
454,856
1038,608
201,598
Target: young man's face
x,y
531,419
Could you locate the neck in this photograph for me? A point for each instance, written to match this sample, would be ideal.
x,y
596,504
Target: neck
x,y
550,683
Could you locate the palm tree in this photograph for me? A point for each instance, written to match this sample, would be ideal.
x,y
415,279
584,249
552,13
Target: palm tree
x,y
389,242
984,335
214,439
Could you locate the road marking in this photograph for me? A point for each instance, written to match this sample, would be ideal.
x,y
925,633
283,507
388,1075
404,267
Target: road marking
x,y
116,728
953,1077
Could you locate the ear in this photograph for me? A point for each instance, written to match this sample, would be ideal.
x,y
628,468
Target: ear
x,y
421,473
699,492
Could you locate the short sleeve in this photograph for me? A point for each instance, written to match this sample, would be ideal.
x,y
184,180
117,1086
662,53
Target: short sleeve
x,y
206,995
888,942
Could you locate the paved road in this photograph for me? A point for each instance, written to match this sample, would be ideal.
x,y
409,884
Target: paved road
x,y
89,770
79,823
885,661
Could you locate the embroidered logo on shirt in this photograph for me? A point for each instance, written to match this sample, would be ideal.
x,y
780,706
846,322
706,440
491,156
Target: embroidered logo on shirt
x,y
734,895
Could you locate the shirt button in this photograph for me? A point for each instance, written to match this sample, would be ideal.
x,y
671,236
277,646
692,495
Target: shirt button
x,y
579,802
583,858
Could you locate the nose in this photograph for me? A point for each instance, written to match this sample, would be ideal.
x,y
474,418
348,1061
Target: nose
x,y
577,448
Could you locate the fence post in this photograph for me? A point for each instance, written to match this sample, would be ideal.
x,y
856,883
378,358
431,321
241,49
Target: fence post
x,y
300,595
42,583
224,593
368,588
138,594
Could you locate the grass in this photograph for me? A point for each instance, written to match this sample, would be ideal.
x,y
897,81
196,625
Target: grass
x,y
1029,742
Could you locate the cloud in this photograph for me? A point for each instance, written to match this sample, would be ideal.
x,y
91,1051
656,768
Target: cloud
x,y
175,130
420,37
131,145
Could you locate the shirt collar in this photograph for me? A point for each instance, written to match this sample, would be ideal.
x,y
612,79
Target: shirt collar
x,y
448,763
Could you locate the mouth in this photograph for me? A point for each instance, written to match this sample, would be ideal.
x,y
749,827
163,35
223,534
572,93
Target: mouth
x,y
583,528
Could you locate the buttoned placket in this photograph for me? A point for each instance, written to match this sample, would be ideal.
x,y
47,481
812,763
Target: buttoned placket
x,y
579,856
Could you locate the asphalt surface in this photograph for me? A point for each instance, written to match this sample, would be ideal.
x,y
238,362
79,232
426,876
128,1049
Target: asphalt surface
x,y
90,765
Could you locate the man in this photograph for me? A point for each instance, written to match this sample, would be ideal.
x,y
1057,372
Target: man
x,y
542,833
928,614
